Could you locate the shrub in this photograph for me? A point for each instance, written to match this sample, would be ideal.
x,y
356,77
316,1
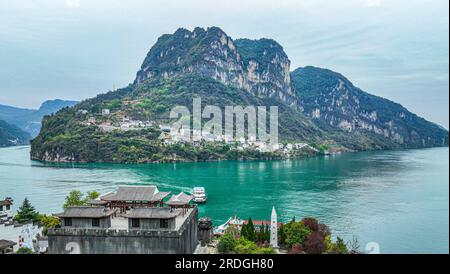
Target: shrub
x,y
315,244
311,223
24,250
227,244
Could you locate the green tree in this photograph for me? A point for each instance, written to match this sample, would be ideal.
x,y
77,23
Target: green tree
x,y
281,235
296,233
339,247
227,244
24,250
245,246
92,195
48,222
75,198
248,231
26,212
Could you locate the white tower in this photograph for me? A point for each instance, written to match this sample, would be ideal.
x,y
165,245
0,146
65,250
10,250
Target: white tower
x,y
274,229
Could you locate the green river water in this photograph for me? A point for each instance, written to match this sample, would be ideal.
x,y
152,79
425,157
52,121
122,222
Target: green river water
x,y
398,199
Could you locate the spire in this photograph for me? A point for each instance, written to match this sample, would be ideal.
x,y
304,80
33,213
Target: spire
x,y
274,229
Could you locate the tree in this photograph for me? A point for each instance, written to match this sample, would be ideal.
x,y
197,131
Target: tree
x,y
245,246
26,212
227,244
248,231
315,244
281,235
24,250
75,198
92,195
48,222
296,233
339,247
311,223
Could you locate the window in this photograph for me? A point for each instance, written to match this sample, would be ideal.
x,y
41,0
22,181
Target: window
x,y
95,222
135,223
67,221
1,208
164,223
8,207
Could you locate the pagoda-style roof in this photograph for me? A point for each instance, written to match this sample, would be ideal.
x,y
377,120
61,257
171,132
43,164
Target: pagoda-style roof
x,y
136,193
97,202
6,243
7,201
179,200
86,212
151,213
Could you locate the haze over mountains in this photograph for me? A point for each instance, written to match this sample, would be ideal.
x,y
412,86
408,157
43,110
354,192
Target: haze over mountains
x,y
316,105
20,125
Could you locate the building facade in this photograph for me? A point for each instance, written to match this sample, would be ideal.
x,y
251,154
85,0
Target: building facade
x,y
146,230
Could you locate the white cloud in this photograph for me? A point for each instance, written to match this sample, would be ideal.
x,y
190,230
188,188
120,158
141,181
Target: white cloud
x,y
72,3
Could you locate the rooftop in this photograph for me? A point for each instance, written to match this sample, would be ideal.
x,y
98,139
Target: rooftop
x,y
136,193
180,199
7,201
86,212
6,243
151,213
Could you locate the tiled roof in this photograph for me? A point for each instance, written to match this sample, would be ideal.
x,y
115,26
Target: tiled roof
x,y
86,212
180,199
136,193
6,243
151,213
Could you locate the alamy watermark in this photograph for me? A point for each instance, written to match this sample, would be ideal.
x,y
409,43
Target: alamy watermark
x,y
236,124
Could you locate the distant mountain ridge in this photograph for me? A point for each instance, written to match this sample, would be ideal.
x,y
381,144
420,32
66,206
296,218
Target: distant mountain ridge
x,y
317,106
11,135
29,120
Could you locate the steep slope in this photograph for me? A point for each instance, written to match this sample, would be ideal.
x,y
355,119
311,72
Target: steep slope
x,y
11,135
69,136
334,103
29,120
260,67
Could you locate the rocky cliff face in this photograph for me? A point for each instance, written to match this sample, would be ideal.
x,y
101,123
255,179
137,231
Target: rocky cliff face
x,y
260,67
334,102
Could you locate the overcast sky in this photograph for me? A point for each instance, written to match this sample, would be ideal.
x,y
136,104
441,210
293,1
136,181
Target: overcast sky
x,y
75,49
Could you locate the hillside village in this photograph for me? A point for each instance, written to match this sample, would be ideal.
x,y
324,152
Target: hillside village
x,y
107,122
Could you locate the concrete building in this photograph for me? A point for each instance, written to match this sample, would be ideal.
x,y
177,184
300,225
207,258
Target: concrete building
x,y
139,230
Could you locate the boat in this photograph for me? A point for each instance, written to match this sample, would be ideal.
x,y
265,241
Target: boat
x,y
199,195
231,222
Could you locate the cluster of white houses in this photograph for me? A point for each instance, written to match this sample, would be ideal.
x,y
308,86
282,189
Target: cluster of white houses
x,y
132,220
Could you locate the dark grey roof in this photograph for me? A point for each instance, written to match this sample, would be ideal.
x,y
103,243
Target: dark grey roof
x,y
151,213
180,199
5,202
6,243
136,193
96,202
86,212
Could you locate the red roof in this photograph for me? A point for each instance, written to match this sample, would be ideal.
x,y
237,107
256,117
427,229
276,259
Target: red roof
x,y
261,223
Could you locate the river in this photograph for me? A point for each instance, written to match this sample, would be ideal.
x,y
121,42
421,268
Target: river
x,y
398,199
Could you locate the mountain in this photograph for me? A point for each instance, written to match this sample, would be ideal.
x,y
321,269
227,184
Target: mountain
x,y
334,103
11,135
29,120
258,66
316,106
